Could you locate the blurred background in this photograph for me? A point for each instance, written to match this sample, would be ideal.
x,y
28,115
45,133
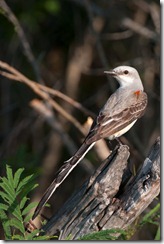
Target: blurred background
x,y
67,45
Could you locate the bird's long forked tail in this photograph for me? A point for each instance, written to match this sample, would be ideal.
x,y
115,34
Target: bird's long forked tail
x,y
61,174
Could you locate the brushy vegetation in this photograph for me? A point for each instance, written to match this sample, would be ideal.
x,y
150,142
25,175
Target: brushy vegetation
x,y
16,211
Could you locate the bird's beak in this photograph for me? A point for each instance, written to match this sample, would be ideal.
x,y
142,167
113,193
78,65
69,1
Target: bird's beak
x,y
110,72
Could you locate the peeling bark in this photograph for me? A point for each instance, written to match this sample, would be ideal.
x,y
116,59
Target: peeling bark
x,y
111,198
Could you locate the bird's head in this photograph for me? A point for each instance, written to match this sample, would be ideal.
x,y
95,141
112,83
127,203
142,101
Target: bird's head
x,y
126,76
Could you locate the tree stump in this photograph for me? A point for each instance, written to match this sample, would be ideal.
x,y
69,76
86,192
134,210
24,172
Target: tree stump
x,y
111,198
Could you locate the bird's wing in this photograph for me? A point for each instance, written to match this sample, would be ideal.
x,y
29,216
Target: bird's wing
x,y
107,125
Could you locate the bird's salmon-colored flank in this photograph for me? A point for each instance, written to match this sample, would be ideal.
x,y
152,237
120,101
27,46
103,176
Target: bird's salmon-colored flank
x,y
137,93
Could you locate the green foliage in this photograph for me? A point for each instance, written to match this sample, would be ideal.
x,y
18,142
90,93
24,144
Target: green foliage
x,y
52,6
152,217
15,212
14,207
105,235
158,235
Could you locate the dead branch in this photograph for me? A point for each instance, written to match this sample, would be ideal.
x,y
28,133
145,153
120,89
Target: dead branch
x,y
22,37
42,91
96,25
141,30
105,201
153,9
117,35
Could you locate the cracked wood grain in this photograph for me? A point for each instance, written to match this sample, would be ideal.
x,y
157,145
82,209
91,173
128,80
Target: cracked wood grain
x,y
106,200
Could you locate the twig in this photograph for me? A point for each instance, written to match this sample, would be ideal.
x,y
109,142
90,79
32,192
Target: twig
x,y
16,75
155,14
134,26
153,9
117,36
67,99
48,115
7,12
44,88
99,46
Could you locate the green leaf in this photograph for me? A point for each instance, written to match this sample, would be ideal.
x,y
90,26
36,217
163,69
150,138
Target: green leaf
x,y
17,176
44,238
8,188
158,235
11,187
10,175
103,235
24,182
35,235
29,207
15,210
28,188
18,225
18,237
30,236
23,202
17,213
6,225
150,215
4,196
28,217
3,206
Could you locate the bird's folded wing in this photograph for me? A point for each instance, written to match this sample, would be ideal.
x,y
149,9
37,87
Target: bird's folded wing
x,y
105,126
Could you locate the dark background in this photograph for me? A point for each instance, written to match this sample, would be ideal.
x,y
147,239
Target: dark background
x,y
72,43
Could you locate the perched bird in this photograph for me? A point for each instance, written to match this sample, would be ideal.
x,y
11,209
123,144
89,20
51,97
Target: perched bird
x,y
121,111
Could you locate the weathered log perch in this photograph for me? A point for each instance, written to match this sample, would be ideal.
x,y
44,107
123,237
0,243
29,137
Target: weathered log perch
x,y
107,200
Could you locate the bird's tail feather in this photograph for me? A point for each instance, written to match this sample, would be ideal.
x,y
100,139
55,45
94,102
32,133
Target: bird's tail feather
x,y
61,174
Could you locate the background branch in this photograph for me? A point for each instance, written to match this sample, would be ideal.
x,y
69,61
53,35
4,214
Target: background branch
x,y
42,93
22,37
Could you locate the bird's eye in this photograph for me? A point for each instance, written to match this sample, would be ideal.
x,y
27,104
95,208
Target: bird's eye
x,y
126,72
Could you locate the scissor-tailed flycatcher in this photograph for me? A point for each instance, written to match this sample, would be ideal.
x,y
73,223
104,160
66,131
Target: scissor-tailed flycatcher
x,y
118,115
